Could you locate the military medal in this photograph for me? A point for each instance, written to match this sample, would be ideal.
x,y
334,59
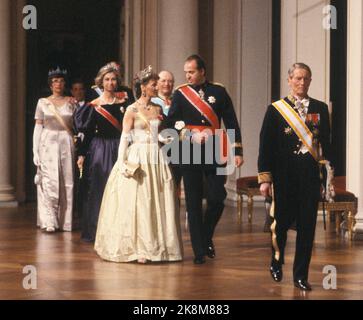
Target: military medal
x,y
313,118
201,94
211,99
288,131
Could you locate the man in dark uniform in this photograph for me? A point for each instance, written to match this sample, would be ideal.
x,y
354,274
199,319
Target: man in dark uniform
x,y
196,112
294,138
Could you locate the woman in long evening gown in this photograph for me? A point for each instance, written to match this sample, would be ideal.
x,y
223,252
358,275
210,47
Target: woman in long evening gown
x,y
53,151
98,153
139,217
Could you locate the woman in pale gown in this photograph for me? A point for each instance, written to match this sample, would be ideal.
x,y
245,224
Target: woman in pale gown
x,y
53,154
139,217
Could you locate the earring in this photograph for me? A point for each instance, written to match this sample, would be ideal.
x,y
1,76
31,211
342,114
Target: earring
x,y
144,94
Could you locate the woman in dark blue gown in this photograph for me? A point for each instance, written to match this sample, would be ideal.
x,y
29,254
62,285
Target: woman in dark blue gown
x,y
101,123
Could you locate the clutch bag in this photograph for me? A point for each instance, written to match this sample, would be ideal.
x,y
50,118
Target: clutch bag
x,y
131,168
38,177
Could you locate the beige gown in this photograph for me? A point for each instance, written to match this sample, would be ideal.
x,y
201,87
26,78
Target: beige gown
x,y
139,216
56,172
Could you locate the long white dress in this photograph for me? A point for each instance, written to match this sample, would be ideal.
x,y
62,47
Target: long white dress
x,y
56,172
139,216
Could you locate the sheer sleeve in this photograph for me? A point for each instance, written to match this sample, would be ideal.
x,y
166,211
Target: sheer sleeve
x,y
39,113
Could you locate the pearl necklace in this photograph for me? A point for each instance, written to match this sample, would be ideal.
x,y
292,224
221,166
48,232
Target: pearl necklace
x,y
57,98
104,101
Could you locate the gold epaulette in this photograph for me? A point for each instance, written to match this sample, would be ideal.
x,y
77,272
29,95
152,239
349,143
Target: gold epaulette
x,y
93,102
182,85
218,84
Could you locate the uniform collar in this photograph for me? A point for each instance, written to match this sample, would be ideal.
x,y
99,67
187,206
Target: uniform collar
x,y
294,99
200,86
81,103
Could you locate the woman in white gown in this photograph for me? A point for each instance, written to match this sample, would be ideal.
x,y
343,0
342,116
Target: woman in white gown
x,y
139,215
53,151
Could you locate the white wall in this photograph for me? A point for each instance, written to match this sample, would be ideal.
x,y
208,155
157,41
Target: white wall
x,y
355,108
242,51
303,39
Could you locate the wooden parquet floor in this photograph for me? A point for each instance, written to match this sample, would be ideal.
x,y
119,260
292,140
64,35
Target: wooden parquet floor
x,y
70,269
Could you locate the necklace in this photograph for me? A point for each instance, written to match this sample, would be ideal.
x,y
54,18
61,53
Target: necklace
x,y
145,106
57,98
103,100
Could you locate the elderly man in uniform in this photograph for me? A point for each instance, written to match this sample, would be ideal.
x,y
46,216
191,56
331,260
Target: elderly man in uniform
x,y
197,110
165,90
164,98
294,138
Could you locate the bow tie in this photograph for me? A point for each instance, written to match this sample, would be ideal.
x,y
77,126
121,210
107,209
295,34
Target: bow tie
x,y
302,104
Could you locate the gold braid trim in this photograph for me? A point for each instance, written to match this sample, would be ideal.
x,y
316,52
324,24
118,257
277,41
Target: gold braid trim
x,y
273,227
237,145
264,177
181,86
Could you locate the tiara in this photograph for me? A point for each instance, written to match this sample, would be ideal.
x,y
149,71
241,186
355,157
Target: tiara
x,y
53,72
111,66
143,74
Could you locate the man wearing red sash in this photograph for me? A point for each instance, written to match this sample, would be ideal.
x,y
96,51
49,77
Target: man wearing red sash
x,y
197,110
295,136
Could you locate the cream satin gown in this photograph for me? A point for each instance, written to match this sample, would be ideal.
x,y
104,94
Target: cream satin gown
x,y
139,216
55,183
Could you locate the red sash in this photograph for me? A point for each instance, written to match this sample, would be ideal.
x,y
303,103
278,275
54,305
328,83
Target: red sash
x,y
204,108
108,116
121,95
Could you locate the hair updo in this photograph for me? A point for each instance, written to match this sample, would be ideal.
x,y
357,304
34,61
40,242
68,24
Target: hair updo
x,y
142,78
109,67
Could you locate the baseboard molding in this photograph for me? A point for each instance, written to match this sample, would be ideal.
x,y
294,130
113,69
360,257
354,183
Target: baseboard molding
x,y
9,204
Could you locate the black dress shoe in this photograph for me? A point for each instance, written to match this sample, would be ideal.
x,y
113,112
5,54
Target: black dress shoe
x,y
302,285
199,260
276,273
211,253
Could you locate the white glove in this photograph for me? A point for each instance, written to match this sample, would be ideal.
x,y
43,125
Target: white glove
x,y
165,140
199,137
80,135
122,155
36,141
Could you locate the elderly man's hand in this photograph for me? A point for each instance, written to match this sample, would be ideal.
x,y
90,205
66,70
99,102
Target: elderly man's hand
x,y
238,161
265,189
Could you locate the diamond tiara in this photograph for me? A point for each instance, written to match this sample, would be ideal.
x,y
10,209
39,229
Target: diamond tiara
x,y
143,74
112,66
57,71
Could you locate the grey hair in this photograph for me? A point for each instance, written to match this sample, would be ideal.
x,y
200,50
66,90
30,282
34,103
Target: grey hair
x,y
167,71
299,65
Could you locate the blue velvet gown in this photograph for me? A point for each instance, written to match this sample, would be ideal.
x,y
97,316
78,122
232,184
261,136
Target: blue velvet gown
x,y
100,147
